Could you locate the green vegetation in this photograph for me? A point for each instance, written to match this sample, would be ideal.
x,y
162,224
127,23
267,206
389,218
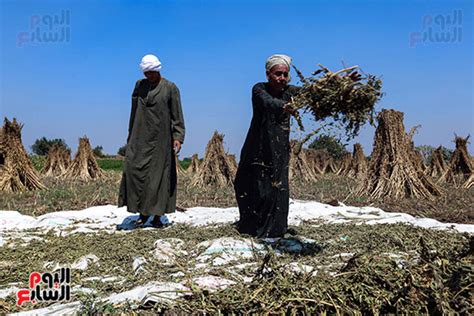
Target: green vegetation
x,y
42,145
111,164
331,144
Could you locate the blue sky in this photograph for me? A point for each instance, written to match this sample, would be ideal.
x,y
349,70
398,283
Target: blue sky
x,y
215,51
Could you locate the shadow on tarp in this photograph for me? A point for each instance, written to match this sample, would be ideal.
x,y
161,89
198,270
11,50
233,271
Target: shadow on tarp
x,y
293,245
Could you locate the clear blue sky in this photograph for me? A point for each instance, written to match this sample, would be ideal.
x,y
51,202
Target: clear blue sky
x,y
215,51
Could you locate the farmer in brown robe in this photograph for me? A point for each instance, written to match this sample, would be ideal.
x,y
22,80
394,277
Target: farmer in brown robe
x,y
261,184
155,135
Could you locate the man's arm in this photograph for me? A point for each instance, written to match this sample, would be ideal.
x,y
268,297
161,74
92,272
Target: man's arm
x,y
134,109
262,99
177,118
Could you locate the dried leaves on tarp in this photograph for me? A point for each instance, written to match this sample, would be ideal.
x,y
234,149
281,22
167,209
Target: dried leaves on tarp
x,y
392,171
17,172
348,97
216,168
84,166
401,273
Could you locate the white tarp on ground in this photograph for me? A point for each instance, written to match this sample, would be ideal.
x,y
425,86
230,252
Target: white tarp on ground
x,y
105,218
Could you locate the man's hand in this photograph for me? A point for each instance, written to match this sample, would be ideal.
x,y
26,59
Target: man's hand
x,y
176,146
288,109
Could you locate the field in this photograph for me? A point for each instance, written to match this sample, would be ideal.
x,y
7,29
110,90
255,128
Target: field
x,y
327,268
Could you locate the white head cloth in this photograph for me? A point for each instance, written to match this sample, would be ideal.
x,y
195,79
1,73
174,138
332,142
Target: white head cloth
x,y
278,59
150,63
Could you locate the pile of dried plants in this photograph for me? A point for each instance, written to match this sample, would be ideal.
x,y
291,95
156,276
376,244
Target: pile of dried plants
x,y
17,172
216,168
84,166
392,171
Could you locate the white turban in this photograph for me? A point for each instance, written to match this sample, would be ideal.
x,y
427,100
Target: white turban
x,y
278,60
150,63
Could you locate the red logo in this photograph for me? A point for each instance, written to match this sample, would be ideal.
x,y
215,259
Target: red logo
x,y
46,287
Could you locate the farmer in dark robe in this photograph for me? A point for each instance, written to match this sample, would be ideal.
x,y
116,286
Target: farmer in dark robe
x,y
261,184
155,135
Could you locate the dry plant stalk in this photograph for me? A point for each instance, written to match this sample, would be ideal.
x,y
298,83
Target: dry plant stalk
x,y
216,169
300,168
17,172
359,166
179,169
84,166
233,164
469,182
437,164
460,166
345,165
322,161
347,97
194,166
59,159
318,159
415,155
417,158
392,173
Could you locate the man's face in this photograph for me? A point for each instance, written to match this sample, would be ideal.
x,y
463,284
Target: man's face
x,y
153,76
278,76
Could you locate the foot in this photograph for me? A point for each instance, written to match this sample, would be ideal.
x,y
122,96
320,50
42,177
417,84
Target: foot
x,y
142,219
157,223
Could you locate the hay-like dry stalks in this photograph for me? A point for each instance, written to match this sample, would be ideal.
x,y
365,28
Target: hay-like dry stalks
x,y
318,159
233,164
460,166
300,168
180,171
415,155
392,172
84,166
216,168
17,172
469,182
347,97
345,165
437,164
321,161
59,159
194,166
417,158
359,166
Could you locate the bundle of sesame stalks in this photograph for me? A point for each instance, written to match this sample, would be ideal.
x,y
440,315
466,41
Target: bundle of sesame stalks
x,y
347,96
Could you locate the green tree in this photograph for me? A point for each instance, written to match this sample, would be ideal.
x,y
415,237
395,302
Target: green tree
x,y
122,150
99,151
331,144
42,145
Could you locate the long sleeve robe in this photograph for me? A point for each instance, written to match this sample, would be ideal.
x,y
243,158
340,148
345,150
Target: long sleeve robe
x,y
149,179
261,184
